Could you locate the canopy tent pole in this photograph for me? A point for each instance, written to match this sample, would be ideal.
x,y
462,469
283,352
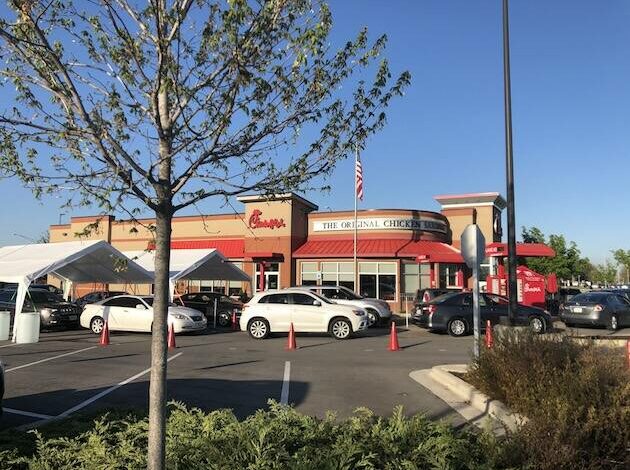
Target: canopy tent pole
x,y
21,293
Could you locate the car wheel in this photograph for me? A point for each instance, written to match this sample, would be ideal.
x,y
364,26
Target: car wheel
x,y
537,325
457,327
373,317
96,325
258,328
340,328
613,324
224,319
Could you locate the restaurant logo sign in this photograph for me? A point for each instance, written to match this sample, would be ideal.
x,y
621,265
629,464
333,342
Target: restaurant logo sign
x,y
381,223
256,222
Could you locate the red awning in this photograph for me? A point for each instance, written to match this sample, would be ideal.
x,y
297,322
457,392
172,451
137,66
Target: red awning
x,y
528,250
228,247
423,251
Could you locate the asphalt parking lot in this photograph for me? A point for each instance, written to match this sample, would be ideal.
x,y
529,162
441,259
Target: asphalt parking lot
x,y
68,372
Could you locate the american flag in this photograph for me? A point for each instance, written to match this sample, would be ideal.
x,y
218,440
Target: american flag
x,y
358,176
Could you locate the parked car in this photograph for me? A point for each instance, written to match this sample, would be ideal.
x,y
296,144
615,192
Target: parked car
x,y
135,313
95,296
595,308
378,311
453,313
53,310
274,311
204,302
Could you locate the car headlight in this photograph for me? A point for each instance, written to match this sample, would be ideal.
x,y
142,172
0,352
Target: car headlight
x,y
179,316
358,313
46,312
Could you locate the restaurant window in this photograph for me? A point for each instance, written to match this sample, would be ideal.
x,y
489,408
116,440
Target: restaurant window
x,y
448,275
212,286
416,276
309,273
338,274
235,287
378,280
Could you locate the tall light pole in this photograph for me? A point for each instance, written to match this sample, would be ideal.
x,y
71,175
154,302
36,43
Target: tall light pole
x,y
509,168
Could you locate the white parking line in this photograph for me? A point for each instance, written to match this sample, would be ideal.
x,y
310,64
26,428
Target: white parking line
x,y
284,394
26,413
8,345
110,390
49,359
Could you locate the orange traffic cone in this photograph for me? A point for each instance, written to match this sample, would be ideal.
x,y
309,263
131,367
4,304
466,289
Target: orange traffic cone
x,y
291,345
234,323
104,341
171,337
393,339
489,338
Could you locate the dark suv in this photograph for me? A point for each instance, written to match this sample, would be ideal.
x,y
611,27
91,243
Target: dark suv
x,y
53,310
204,302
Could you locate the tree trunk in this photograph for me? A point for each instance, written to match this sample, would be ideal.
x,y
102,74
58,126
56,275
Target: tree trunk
x,y
156,458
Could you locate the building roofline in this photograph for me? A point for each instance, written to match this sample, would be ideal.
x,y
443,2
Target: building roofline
x,y
277,197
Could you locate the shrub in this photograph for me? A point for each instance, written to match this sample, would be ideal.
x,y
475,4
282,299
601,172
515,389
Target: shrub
x,y
280,438
577,399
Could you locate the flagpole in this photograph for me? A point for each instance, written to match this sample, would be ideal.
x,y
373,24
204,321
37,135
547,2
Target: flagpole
x,y
356,273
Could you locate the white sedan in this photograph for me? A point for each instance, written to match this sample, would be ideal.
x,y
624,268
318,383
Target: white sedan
x,y
274,311
135,313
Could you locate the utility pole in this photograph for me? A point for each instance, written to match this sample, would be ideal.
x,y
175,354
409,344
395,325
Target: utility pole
x,y
509,169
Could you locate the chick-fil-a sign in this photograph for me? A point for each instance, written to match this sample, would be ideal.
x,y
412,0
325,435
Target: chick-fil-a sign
x,y
256,222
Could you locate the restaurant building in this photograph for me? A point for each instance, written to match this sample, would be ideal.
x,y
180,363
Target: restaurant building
x,y
286,241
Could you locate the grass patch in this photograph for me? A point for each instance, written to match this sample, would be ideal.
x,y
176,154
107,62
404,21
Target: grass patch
x,y
280,438
577,399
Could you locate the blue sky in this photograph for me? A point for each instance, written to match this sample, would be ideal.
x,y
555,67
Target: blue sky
x,y
571,113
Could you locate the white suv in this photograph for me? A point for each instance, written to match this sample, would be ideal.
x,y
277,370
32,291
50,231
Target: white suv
x,y
274,311
378,311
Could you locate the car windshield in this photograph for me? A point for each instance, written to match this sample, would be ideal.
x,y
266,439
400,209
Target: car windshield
x,y
43,296
320,297
349,293
149,302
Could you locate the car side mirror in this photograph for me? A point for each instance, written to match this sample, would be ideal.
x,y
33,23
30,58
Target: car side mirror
x,y
141,307
317,303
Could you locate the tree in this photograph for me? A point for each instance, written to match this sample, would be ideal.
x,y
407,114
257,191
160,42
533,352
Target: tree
x,y
623,258
605,273
159,105
567,263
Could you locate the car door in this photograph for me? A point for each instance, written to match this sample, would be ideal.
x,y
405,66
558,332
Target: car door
x,y
112,313
493,309
137,319
466,309
277,311
622,307
308,312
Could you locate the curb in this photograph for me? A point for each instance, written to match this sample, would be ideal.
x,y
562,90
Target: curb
x,y
478,400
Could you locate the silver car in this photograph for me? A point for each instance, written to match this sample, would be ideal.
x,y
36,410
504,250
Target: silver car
x,y
378,310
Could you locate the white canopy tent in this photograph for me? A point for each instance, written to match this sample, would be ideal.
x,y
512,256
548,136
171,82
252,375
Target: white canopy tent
x,y
192,265
74,262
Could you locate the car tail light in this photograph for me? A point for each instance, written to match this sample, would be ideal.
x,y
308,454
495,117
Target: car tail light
x,y
432,309
425,297
598,308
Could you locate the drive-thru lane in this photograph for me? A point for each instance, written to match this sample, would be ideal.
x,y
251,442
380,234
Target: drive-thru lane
x,y
228,370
